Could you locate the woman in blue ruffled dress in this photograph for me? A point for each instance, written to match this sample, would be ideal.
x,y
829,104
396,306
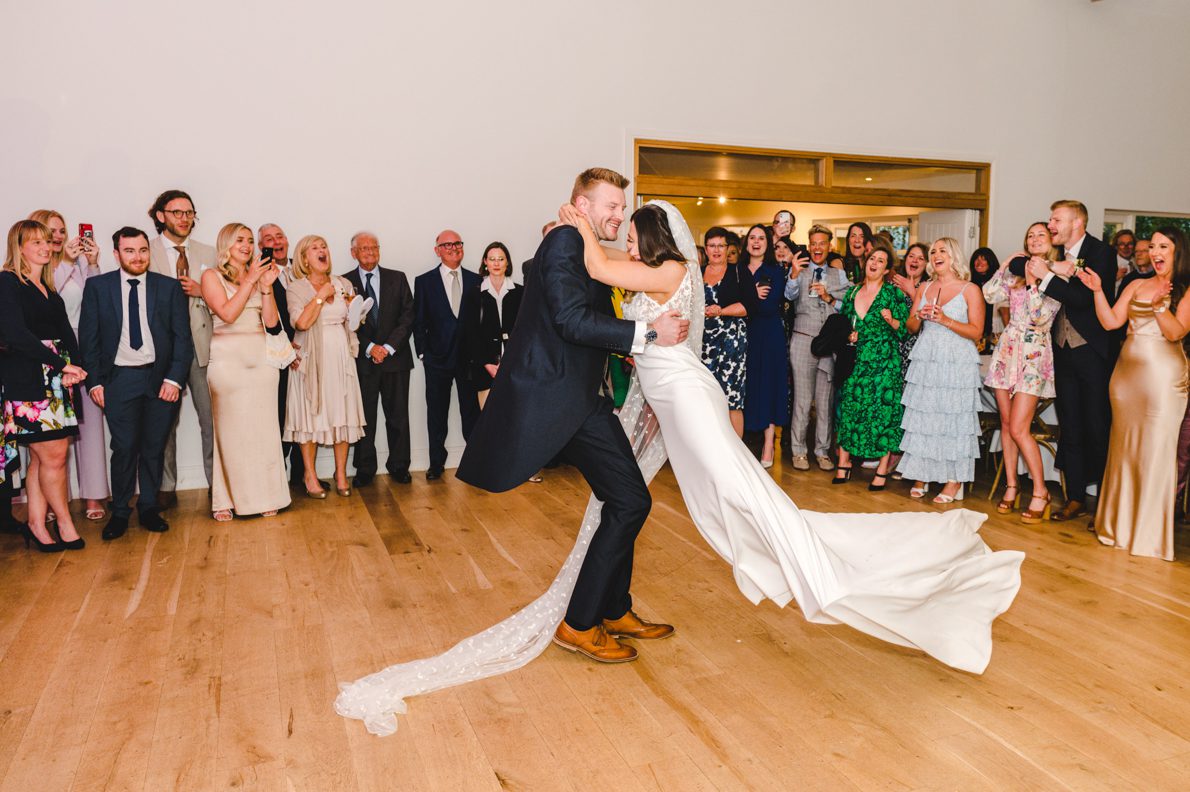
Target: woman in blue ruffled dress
x,y
941,399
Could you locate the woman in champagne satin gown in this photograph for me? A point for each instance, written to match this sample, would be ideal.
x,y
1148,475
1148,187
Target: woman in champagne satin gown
x,y
1148,397
249,469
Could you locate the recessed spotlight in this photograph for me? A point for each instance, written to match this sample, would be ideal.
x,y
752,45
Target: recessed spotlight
x,y
722,200
867,178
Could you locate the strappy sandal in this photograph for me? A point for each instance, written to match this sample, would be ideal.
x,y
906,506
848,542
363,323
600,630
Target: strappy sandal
x,y
1007,504
223,515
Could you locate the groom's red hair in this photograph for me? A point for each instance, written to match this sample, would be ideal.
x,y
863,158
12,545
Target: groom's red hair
x,y
587,180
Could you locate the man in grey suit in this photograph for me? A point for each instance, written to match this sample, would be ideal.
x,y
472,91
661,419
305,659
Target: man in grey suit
x,y
816,291
174,254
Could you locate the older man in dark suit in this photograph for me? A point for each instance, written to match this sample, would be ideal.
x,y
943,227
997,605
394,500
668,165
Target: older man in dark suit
x,y
443,299
136,346
384,360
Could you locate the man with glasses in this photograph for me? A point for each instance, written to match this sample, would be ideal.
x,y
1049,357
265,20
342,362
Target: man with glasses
x,y
384,360
174,254
443,300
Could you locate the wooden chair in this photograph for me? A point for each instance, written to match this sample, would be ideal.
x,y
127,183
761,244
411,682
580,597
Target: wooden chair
x,y
1046,437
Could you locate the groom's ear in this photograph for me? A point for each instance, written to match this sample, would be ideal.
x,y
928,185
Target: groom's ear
x,y
582,203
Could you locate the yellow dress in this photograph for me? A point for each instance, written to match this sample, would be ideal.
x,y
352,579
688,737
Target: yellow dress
x,y
249,470
1148,399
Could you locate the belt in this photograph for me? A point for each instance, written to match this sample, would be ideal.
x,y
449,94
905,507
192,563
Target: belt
x,y
136,368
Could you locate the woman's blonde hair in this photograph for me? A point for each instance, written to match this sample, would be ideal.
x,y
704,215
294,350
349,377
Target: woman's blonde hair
x,y
14,262
43,216
300,268
1052,256
958,262
223,243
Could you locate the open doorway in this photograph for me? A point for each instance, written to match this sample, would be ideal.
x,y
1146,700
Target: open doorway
x,y
736,187
905,224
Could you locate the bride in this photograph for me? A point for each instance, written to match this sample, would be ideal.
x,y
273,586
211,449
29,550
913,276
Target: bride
x,y
923,580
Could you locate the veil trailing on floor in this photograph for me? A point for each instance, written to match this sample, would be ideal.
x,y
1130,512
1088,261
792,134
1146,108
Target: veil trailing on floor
x,y
378,698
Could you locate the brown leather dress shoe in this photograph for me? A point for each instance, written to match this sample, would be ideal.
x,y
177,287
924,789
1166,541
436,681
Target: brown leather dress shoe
x,y
632,626
1071,510
595,643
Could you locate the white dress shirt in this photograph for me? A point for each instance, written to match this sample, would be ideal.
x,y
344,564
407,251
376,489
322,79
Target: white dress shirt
x,y
125,354
374,274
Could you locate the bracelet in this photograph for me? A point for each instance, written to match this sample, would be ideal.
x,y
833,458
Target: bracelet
x,y
1160,309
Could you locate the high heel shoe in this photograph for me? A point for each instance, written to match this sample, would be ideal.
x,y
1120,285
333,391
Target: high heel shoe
x,y
919,492
1007,504
874,487
943,498
1030,517
846,471
343,492
42,547
73,544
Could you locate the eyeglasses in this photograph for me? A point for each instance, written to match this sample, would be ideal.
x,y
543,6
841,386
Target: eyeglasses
x,y
716,246
451,245
180,214
368,248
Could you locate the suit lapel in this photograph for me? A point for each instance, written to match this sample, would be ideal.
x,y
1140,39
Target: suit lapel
x,y
151,299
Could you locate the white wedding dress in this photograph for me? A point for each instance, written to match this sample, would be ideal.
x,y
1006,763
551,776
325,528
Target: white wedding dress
x,y
916,579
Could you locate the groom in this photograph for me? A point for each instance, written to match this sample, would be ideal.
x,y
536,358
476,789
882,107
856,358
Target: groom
x,y
545,402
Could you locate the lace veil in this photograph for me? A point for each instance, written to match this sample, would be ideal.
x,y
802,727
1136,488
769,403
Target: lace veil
x,y
378,698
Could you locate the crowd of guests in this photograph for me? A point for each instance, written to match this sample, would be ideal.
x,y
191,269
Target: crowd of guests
x,y
883,353
279,354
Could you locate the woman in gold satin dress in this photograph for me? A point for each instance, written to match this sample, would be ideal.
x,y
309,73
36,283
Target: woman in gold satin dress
x,y
1148,397
249,469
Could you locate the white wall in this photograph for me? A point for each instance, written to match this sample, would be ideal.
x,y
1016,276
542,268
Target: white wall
x,y
411,117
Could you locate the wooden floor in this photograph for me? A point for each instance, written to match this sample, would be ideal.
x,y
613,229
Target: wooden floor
x,y
208,658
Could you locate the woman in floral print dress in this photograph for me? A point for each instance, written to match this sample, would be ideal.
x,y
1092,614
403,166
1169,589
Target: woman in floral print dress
x,y
1022,369
870,409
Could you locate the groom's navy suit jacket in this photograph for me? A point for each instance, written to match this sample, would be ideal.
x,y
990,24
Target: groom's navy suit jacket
x,y
551,371
102,320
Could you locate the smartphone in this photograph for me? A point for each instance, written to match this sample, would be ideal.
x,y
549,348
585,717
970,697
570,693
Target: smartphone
x,y
764,281
266,254
86,231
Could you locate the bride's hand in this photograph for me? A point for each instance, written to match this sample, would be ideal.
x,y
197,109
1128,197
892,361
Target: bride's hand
x,y
569,215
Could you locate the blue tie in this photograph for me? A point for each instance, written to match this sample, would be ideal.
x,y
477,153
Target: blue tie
x,y
135,339
369,292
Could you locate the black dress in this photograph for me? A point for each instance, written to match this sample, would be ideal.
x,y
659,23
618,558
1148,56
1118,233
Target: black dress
x,y
491,331
39,344
766,398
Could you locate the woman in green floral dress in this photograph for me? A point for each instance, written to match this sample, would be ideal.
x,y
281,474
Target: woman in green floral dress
x,y
870,410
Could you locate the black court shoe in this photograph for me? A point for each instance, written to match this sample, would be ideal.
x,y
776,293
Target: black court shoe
x,y
846,471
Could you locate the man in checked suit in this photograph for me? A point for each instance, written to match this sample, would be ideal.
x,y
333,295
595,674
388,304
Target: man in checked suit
x,y
443,298
176,255
135,343
384,360
815,292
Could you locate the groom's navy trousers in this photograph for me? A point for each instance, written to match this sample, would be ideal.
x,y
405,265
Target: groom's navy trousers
x,y
545,401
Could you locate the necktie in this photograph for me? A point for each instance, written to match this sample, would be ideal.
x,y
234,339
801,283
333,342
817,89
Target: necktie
x,y
370,293
456,292
183,262
135,339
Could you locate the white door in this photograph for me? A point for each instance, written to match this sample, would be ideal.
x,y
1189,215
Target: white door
x,y
962,224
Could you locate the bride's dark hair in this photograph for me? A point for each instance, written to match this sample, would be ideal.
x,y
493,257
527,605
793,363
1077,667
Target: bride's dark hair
x,y
653,237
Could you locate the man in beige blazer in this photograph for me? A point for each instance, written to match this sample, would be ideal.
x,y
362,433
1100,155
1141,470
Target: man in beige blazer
x,y
175,254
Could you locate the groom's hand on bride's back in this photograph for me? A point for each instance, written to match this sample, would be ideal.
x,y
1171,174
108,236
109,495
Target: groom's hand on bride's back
x,y
671,328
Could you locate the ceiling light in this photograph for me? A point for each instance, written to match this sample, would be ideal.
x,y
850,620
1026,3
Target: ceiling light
x,y
722,200
867,178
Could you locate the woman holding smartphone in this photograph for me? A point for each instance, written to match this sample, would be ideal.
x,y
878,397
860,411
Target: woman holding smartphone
x,y
72,262
766,392
249,469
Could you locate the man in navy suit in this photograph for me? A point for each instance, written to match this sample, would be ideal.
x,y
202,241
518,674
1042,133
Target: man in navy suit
x,y
443,298
384,360
135,331
1084,355
546,401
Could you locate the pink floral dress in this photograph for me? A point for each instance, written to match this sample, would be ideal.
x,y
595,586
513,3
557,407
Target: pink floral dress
x,y
1023,361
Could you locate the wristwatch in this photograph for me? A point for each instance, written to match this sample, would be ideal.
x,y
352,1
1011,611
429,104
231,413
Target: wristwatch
x,y
650,336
